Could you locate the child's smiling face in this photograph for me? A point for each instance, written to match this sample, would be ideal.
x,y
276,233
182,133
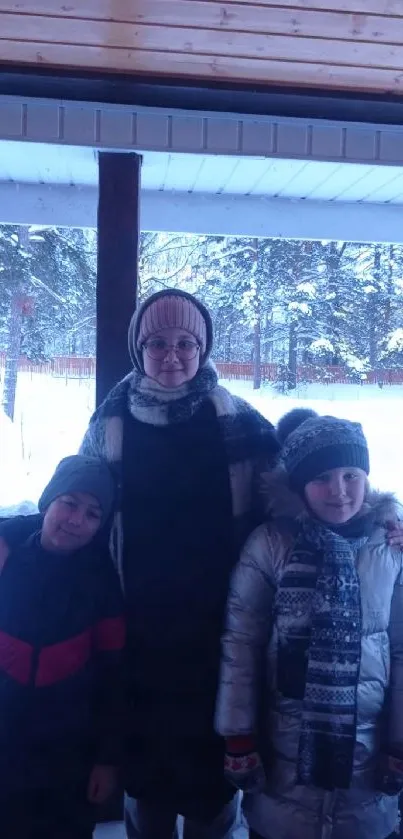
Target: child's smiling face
x,y
337,495
71,522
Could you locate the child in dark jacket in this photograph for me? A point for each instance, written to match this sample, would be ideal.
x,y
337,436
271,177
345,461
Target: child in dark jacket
x,y
61,671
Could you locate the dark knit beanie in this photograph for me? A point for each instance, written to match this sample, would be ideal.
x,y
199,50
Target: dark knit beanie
x,y
289,422
78,473
170,307
320,444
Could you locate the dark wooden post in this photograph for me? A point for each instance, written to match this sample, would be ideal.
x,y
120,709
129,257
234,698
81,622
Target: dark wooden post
x,y
118,243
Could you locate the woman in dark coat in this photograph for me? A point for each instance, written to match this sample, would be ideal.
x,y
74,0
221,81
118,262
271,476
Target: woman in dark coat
x,y
189,458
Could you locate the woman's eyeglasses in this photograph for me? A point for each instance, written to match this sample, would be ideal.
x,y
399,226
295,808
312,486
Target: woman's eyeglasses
x,y
158,349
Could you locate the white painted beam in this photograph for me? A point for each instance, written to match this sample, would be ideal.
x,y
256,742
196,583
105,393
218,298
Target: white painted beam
x,y
272,217
72,206
60,206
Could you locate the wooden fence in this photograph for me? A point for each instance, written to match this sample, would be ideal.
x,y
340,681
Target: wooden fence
x,y
73,366
79,367
311,373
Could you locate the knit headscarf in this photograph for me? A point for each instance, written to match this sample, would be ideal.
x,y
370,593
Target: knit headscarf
x,y
79,473
170,308
319,608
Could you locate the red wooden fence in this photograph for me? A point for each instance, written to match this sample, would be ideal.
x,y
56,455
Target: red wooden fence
x,y
72,366
83,368
310,373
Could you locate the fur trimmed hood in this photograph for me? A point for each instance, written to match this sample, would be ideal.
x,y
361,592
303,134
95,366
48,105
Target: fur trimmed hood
x,y
283,503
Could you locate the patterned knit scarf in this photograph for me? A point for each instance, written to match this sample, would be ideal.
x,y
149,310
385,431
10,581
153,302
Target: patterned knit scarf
x,y
319,618
249,440
151,403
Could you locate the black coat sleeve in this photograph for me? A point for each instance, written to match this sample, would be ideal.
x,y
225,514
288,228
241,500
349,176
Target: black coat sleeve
x,y
16,530
109,639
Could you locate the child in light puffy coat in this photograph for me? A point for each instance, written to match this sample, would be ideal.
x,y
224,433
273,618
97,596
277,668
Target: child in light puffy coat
x,y
311,694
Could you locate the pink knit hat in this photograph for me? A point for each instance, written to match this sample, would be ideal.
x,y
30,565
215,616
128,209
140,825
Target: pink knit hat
x,y
170,308
174,311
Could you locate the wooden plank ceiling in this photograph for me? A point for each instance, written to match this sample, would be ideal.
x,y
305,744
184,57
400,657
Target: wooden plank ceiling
x,y
336,44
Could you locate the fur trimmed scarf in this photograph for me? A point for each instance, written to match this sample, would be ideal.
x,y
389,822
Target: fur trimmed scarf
x,y
249,439
320,646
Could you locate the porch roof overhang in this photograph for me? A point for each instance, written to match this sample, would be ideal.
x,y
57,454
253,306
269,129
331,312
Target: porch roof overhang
x,y
196,193
203,172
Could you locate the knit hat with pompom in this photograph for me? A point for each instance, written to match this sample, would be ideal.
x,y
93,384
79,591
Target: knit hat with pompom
x,y
318,444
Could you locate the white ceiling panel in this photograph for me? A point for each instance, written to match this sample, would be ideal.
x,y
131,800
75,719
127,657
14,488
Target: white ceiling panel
x,y
334,187
398,199
279,174
214,174
246,176
43,163
389,190
35,163
183,172
378,179
155,171
308,178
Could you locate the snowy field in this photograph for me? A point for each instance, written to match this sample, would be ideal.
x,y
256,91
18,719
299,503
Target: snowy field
x,y
52,414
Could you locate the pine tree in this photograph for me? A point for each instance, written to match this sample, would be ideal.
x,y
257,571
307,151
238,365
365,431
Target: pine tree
x,y
64,289
291,303
16,262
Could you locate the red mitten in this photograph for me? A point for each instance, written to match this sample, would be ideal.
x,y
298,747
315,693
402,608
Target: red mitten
x,y
243,766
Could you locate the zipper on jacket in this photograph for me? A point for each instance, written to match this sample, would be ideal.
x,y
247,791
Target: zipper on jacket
x,y
39,637
34,666
329,801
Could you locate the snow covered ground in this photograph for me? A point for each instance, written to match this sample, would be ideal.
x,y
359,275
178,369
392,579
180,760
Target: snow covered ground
x,y
52,414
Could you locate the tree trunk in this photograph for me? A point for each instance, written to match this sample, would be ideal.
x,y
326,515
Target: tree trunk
x,y
374,311
227,345
292,355
334,271
389,289
12,356
257,329
14,336
257,371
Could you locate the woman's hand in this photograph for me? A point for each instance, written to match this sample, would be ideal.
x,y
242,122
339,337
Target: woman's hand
x,y
102,783
394,533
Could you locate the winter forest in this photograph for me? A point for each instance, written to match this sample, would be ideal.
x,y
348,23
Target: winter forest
x,y
316,324
300,306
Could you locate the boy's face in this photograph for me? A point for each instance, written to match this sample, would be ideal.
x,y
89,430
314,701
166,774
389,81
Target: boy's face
x,y
71,521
